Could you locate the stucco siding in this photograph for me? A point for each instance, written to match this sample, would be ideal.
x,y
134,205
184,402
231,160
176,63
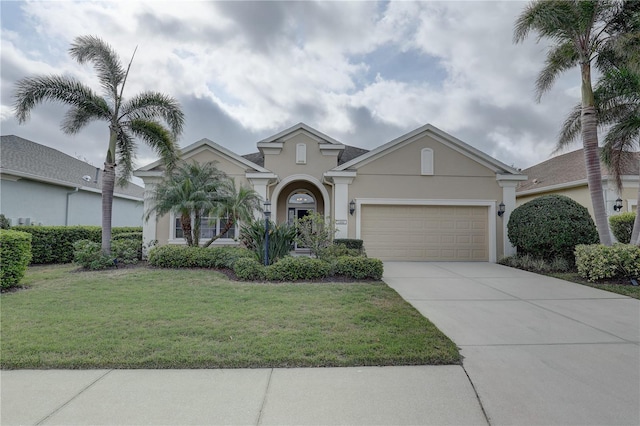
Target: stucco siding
x,y
284,164
47,204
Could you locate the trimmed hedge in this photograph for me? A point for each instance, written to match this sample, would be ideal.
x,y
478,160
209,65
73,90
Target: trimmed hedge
x,y
622,226
15,255
358,268
197,257
297,269
249,269
54,244
350,243
598,262
551,226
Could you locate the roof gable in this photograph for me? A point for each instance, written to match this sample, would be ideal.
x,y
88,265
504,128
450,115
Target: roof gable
x,y
191,150
295,130
31,160
438,135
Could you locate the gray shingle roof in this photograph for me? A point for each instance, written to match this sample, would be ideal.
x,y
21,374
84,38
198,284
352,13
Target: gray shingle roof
x,y
348,154
43,163
568,168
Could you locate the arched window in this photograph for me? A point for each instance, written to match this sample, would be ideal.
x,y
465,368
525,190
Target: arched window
x,y
299,204
426,159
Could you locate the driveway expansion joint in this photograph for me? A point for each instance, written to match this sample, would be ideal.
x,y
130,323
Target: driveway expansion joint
x,y
264,399
80,392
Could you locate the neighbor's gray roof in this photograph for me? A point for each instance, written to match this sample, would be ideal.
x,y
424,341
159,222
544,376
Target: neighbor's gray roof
x,y
348,154
40,162
567,168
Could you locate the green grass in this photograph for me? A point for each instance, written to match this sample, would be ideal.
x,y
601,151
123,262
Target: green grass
x,y
624,289
152,318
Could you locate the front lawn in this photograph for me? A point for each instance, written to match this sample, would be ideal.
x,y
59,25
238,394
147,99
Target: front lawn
x,y
152,318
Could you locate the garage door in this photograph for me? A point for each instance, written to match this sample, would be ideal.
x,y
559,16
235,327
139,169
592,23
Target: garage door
x,y
425,233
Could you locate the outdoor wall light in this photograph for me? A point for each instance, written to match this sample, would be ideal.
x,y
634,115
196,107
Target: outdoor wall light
x,y
501,209
352,207
618,205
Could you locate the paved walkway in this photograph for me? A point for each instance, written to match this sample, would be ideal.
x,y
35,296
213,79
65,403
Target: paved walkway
x,y
538,350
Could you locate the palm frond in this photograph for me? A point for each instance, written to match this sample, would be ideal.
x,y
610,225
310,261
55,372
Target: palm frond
x,y
552,19
153,105
31,91
105,61
77,117
125,152
559,59
571,128
157,137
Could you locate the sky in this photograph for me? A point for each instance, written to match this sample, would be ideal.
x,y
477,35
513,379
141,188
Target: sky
x,y
362,72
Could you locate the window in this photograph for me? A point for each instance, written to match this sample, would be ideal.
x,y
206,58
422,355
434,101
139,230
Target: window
x,y
209,228
301,153
426,158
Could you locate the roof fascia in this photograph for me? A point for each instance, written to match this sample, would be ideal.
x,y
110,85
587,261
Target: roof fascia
x,y
295,130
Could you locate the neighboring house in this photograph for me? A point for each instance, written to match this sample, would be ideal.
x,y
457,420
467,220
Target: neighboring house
x,y
40,185
423,196
566,174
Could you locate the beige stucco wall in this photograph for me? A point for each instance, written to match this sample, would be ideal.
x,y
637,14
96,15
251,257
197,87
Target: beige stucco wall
x,y
456,177
284,163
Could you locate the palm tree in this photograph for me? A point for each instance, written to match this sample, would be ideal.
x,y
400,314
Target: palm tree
x,y
617,98
153,117
578,30
192,189
237,205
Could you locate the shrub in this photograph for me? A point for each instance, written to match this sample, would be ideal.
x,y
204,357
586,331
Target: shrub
x,y
358,268
88,254
533,264
281,239
15,255
598,262
551,226
197,257
54,244
4,222
351,243
297,268
249,269
622,226
127,236
339,250
314,233
126,251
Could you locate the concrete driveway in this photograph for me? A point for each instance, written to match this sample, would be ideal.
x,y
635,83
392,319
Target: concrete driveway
x,y
538,350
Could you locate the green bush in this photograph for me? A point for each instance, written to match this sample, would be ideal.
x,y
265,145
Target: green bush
x,y
551,226
529,263
598,262
339,250
297,268
88,254
54,244
622,226
249,269
197,257
15,255
281,239
126,251
351,243
4,222
127,236
358,268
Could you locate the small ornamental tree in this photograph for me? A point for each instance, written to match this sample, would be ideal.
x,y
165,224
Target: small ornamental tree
x,y
551,226
315,233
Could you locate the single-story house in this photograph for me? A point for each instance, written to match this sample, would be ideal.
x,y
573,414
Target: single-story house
x,y
423,196
43,186
566,174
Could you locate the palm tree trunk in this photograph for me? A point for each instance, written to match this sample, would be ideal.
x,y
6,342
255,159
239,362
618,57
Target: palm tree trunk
x,y
108,183
226,228
196,229
185,223
589,124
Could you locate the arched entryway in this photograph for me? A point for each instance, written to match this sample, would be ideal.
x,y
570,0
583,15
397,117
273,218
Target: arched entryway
x,y
281,203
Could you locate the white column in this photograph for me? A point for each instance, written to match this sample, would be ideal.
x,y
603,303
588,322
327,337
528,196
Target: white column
x,y
260,185
509,200
149,226
341,193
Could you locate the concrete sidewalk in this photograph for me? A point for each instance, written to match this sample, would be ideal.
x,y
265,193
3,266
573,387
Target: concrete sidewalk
x,y
435,395
538,350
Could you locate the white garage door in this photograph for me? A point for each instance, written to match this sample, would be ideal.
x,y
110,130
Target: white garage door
x,y
425,233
